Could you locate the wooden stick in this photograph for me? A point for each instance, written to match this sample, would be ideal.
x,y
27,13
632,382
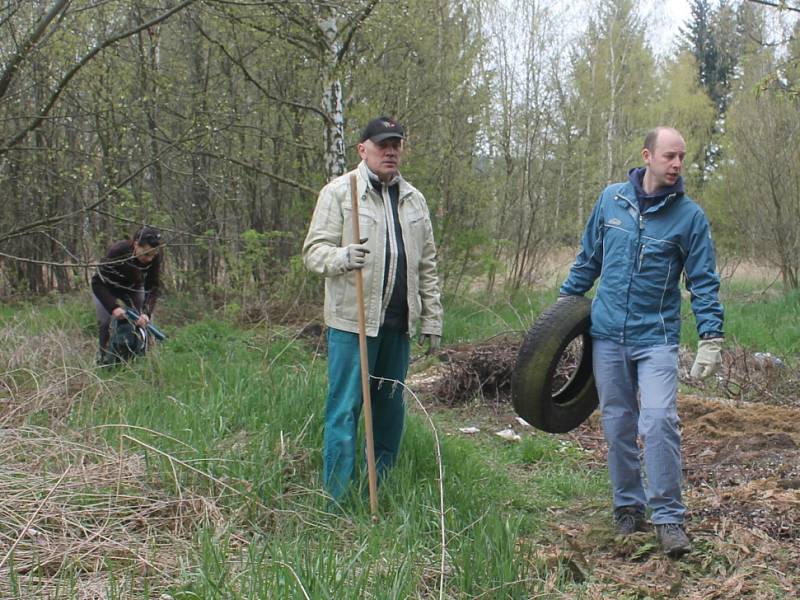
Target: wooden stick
x,y
362,347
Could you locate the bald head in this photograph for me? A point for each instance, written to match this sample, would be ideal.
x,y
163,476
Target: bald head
x,y
651,139
663,154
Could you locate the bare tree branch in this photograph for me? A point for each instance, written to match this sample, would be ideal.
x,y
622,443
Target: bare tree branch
x,y
47,221
78,66
353,26
269,174
186,138
307,45
163,229
8,12
779,4
239,63
22,53
76,263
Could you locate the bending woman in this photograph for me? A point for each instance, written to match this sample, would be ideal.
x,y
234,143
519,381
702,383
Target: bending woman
x,y
130,272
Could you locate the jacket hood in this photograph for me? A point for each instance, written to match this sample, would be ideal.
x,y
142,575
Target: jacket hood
x,y
636,177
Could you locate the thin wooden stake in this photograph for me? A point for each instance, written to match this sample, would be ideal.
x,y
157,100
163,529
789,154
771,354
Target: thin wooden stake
x,y
362,347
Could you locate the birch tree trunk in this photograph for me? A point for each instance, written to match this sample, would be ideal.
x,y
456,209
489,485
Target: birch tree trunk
x,y
333,133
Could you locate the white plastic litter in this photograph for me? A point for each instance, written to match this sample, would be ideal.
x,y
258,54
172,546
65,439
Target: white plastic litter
x,y
509,434
469,429
524,423
768,359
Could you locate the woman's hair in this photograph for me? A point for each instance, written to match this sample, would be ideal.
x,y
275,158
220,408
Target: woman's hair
x,y
147,235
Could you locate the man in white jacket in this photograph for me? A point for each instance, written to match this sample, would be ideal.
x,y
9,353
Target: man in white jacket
x,y
397,257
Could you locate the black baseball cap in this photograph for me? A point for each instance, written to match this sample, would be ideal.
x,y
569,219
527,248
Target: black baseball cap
x,y
381,129
148,235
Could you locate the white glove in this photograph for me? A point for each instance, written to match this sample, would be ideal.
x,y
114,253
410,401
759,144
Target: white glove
x,y
709,358
355,255
433,341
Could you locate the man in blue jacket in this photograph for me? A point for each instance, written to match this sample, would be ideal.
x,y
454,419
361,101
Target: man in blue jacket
x,y
642,235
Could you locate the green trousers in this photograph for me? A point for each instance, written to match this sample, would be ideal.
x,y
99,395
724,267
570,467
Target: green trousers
x,y
388,358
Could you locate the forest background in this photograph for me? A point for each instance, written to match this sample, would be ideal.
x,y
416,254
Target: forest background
x,y
195,473
219,121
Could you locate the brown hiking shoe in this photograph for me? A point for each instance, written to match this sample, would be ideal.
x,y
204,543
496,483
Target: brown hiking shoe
x,y
673,539
629,519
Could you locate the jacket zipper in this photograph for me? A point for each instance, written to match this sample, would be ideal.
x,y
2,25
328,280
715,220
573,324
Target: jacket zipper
x,y
391,240
384,198
630,279
641,245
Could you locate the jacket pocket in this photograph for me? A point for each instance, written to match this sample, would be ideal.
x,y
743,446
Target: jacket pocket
x,y
417,228
343,297
367,222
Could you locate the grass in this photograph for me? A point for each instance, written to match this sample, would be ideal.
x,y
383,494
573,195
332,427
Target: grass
x,y
51,312
765,322
759,320
478,318
234,416
244,408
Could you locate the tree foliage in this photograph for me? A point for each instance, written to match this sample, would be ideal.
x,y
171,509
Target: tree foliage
x,y
758,192
711,36
219,121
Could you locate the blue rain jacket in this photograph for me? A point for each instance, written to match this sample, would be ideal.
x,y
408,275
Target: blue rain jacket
x,y
639,257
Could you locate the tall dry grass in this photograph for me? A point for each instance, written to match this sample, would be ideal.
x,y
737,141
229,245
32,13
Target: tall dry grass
x,y
78,517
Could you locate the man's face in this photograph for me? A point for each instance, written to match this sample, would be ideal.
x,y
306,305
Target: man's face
x,y
144,253
382,158
665,162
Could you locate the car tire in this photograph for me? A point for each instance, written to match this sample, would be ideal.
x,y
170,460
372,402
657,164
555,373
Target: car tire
x,y
534,376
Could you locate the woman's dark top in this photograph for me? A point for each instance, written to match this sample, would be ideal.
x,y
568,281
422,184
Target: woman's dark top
x,y
121,276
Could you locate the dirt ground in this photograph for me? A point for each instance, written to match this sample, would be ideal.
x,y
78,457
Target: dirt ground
x,y
742,482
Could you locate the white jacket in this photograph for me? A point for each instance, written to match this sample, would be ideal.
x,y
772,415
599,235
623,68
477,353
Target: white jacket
x,y
331,230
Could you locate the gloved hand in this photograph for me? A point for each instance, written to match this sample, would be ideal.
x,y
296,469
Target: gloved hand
x,y
355,256
709,358
433,341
